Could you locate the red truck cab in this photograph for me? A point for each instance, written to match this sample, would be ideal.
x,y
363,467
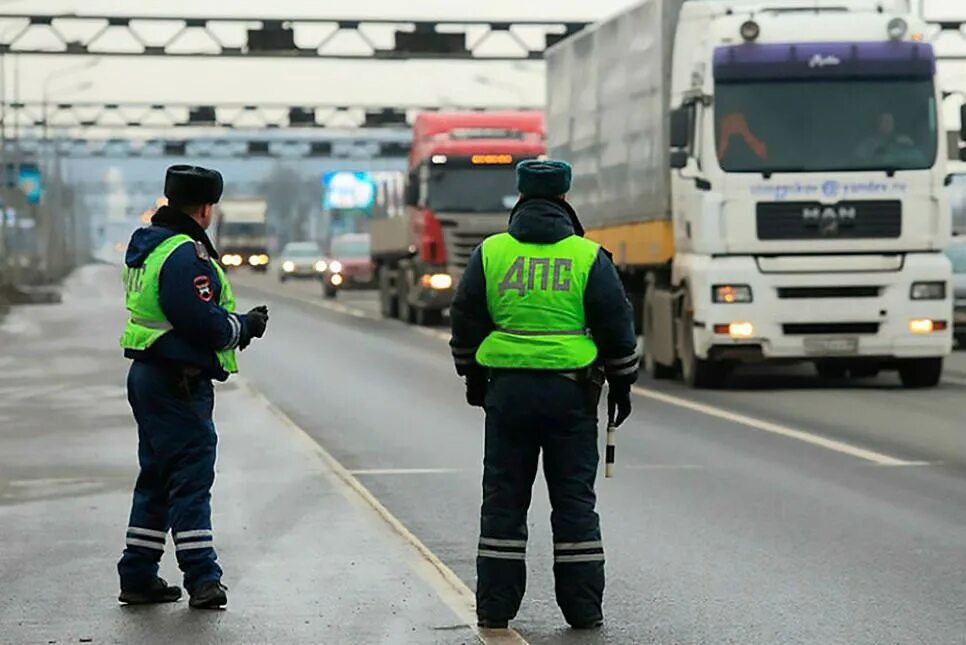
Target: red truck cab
x,y
461,184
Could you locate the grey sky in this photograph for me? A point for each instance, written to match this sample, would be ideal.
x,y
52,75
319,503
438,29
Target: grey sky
x,y
306,81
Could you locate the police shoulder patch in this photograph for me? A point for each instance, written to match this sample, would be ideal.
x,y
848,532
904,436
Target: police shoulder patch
x,y
201,251
203,290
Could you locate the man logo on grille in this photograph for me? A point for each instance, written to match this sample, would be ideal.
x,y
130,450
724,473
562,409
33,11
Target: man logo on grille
x,y
829,220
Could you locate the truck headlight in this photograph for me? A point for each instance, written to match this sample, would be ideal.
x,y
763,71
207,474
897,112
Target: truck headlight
x,y
729,294
335,266
288,266
928,291
437,281
321,266
926,326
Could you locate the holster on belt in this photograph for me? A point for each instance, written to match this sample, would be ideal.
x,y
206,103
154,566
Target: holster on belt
x,y
594,385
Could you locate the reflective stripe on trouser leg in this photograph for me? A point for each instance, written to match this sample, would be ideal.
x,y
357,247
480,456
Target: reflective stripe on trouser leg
x,y
573,552
499,549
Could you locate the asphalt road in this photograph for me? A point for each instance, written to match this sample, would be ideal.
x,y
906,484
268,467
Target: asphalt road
x,y
783,509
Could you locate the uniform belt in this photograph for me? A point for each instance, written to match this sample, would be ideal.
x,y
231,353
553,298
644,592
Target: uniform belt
x,y
577,376
543,332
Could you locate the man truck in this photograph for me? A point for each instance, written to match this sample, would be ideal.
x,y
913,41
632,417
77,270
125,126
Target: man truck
x,y
241,233
460,187
769,177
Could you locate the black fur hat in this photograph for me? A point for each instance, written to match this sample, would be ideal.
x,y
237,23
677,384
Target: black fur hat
x,y
193,185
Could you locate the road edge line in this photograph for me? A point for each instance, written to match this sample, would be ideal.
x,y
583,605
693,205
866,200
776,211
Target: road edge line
x,y
464,606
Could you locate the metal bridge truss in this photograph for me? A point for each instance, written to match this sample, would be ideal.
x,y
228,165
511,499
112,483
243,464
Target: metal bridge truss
x,y
239,148
113,116
339,38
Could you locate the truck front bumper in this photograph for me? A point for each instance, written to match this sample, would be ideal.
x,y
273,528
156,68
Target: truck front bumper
x,y
798,316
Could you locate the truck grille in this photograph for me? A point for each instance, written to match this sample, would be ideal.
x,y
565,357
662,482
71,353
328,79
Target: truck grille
x,y
806,329
463,232
846,220
797,293
460,246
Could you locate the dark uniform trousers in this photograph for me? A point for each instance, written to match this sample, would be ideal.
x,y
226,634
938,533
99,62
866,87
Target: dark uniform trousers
x,y
176,452
526,412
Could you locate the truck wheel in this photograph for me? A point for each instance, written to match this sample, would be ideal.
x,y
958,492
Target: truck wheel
x,y
428,317
830,370
921,372
656,370
407,312
388,302
697,372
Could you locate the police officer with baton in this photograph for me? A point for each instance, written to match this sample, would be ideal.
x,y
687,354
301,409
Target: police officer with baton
x,y
538,311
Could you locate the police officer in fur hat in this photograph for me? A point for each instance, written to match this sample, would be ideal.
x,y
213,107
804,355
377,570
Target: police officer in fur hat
x,y
182,333
537,314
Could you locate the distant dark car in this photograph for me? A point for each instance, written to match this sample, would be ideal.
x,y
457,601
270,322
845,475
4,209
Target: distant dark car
x,y
349,266
957,255
301,260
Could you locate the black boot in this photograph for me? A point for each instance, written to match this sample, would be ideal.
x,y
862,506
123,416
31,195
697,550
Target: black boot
x,y
157,592
490,623
589,624
210,594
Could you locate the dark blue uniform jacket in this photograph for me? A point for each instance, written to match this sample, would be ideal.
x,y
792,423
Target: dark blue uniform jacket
x,y
609,315
189,292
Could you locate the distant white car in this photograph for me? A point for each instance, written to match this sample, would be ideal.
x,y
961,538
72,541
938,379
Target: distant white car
x,y
301,260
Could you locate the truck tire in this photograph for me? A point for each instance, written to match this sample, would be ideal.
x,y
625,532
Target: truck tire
x,y
407,313
657,371
388,301
428,317
921,372
696,372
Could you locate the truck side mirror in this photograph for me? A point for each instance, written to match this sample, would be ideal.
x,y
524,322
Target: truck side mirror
x,y
681,127
679,159
962,122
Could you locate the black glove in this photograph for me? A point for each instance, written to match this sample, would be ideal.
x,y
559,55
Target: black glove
x,y
476,389
257,320
618,404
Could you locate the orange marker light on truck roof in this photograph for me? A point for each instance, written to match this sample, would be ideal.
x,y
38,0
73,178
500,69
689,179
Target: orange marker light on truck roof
x,y
483,160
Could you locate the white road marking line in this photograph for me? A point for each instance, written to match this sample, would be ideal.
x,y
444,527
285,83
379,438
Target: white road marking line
x,y
663,467
406,471
773,428
956,380
447,585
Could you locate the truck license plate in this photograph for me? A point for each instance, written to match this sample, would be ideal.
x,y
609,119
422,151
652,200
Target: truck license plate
x,y
831,346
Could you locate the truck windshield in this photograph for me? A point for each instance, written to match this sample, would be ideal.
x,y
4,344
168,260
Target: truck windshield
x,y
477,190
810,126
